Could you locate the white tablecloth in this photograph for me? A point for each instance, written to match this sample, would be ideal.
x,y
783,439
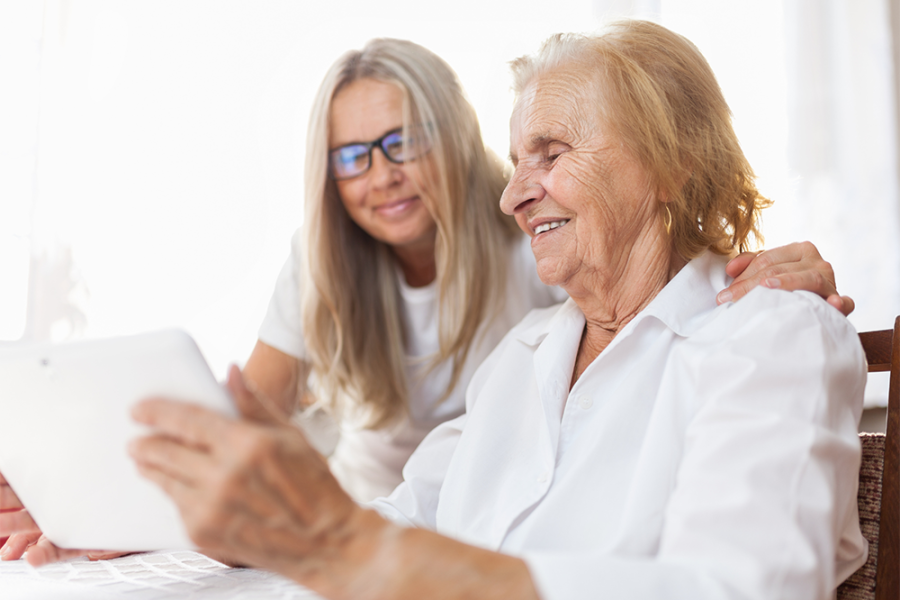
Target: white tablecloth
x,y
150,576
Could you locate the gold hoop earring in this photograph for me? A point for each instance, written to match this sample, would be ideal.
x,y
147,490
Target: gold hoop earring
x,y
668,220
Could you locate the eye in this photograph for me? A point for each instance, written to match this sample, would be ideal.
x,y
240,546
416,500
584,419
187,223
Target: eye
x,y
396,147
555,150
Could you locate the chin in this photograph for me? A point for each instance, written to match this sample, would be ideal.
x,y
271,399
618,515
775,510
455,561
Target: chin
x,y
551,272
402,240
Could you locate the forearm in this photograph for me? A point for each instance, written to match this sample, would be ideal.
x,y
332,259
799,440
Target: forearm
x,y
277,376
376,559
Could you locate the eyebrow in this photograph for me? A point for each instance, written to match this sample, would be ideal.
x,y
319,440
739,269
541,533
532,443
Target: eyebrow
x,y
537,141
534,141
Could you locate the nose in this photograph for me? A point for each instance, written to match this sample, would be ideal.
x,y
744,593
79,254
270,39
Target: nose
x,y
521,193
382,172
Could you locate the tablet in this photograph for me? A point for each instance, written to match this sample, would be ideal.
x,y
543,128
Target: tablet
x,y
64,428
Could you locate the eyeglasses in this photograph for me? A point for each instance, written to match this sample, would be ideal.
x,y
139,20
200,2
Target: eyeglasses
x,y
355,159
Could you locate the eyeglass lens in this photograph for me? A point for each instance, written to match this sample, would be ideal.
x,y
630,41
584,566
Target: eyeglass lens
x,y
355,159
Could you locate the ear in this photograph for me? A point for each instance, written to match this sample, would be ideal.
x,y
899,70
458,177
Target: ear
x,y
681,180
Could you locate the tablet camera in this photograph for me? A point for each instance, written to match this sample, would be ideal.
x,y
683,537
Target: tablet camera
x,y
47,369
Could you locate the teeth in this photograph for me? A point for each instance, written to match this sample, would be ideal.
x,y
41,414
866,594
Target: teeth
x,y
548,226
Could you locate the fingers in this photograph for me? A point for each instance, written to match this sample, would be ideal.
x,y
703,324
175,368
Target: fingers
x,y
41,551
793,257
177,489
105,554
793,267
44,552
774,278
170,457
845,304
191,424
17,544
811,281
739,264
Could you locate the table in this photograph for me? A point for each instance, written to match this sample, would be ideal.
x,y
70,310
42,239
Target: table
x,y
168,575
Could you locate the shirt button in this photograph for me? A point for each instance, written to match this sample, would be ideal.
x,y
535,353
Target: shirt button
x,y
585,402
542,478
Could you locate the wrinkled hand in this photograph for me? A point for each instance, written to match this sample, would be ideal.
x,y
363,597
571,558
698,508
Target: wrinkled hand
x,y
257,492
797,266
19,533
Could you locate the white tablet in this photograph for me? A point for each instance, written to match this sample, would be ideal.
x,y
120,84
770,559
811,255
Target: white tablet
x,y
65,424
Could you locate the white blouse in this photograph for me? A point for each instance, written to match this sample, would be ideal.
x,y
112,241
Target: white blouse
x,y
368,462
708,452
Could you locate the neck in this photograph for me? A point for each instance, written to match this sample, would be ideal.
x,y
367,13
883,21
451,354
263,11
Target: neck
x,y
612,298
417,263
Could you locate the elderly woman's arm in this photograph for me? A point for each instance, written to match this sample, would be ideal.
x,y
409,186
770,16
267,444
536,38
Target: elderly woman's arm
x,y
260,494
763,501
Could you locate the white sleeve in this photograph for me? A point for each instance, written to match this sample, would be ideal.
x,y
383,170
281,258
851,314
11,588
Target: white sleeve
x,y
764,500
282,327
414,502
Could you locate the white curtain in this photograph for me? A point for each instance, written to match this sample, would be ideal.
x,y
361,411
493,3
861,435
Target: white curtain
x,y
171,136
843,151
842,146
20,56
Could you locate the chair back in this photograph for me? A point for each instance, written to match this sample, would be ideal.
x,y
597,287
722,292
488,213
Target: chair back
x,y
879,482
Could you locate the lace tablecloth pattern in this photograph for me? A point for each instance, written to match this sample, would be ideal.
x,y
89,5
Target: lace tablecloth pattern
x,y
150,576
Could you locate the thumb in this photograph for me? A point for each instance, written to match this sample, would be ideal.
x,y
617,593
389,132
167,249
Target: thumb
x,y
251,402
737,265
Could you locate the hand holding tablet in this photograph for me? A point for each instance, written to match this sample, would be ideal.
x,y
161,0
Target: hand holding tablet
x,y
65,425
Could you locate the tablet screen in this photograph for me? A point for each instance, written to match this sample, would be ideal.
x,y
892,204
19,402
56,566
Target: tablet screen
x,y
64,428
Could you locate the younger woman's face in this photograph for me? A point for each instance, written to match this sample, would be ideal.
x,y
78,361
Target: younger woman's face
x,y
385,201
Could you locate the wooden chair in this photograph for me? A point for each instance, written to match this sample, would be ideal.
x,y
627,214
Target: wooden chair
x,y
879,483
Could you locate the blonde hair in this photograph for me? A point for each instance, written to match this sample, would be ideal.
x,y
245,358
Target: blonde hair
x,y
662,101
352,326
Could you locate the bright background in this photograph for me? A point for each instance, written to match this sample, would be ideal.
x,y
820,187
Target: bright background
x,y
151,151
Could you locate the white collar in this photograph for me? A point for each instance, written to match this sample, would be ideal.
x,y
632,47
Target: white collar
x,y
683,305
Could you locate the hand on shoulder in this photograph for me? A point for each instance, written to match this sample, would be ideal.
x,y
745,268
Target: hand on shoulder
x,y
797,266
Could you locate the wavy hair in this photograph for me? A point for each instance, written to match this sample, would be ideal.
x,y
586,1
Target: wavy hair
x,y
662,101
352,326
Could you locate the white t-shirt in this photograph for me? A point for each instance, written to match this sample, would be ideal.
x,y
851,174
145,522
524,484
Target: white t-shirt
x,y
368,463
708,452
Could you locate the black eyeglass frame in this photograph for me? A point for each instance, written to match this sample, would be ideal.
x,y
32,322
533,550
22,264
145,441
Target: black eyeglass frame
x,y
369,146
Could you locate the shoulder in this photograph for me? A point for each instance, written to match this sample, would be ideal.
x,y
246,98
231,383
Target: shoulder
x,y
773,340
781,314
282,324
287,285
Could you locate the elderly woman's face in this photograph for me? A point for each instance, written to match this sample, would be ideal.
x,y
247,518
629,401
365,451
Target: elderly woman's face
x,y
584,200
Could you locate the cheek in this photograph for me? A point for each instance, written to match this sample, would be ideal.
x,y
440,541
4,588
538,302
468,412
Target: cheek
x,y
588,193
522,221
352,193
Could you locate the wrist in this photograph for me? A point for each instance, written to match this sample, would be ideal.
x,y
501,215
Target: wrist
x,y
349,561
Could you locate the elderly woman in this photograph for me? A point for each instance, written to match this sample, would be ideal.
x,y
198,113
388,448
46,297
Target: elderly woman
x,y
636,441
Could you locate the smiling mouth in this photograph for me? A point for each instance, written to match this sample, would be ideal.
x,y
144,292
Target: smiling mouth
x,y
397,206
549,226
